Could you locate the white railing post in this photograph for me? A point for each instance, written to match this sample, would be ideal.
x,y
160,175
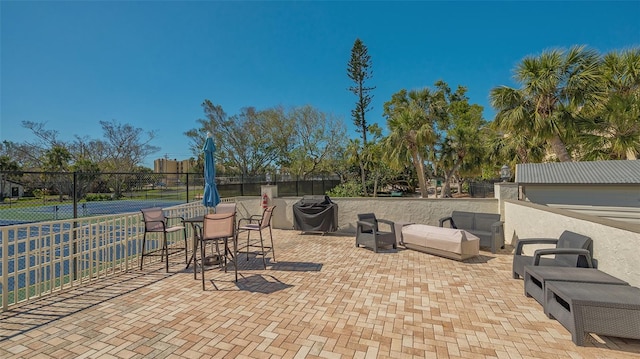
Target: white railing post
x,y
5,269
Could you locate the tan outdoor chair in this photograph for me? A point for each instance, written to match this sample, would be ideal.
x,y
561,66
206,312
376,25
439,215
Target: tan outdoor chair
x,y
217,228
226,207
258,223
156,222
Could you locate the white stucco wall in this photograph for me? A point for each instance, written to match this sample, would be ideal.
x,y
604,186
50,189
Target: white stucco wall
x,y
615,244
416,210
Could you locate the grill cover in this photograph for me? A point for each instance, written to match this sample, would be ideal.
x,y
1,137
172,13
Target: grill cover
x,y
315,214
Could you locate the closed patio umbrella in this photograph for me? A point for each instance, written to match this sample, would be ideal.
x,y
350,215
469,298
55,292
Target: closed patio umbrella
x,y
211,196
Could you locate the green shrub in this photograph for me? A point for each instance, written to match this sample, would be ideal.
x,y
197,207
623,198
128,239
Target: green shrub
x,y
347,189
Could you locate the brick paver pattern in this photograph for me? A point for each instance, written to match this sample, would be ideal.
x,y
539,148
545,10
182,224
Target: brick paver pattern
x,y
322,298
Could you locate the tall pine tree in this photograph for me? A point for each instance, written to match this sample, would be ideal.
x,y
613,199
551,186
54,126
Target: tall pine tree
x,y
359,71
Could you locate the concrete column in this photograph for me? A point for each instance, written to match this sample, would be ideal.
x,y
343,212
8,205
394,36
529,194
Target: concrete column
x,y
270,190
504,191
279,217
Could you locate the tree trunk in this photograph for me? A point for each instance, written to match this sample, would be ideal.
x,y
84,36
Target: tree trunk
x,y
560,149
420,171
364,179
375,185
446,187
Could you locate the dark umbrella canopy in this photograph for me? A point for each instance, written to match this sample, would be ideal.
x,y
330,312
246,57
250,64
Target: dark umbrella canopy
x,y
211,196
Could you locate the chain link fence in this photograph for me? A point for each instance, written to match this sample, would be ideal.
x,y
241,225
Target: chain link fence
x,y
42,196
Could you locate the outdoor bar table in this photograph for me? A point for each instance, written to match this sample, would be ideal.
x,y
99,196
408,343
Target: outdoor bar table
x,y
605,309
194,221
535,278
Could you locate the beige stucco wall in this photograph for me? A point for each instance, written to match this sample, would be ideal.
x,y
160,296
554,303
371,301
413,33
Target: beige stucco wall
x,y
615,243
415,210
504,191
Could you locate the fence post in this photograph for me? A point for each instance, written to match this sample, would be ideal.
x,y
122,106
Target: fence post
x,y
5,273
74,236
242,184
75,194
187,180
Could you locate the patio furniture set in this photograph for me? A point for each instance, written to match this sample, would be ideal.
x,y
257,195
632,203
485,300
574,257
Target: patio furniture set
x,y
215,229
563,279
568,285
467,231
574,292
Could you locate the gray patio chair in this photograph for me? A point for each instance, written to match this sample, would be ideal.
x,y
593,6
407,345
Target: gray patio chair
x,y
369,234
571,250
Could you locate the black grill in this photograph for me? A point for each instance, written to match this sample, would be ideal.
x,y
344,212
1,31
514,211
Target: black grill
x,y
315,214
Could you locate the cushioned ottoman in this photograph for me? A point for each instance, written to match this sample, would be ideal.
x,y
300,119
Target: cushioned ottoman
x,y
446,242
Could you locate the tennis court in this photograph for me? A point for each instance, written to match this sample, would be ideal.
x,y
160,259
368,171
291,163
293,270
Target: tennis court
x,y
52,212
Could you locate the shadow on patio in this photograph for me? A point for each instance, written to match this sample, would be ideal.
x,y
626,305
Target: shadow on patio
x,y
322,298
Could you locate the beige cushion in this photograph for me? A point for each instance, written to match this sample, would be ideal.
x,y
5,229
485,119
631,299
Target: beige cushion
x,y
445,239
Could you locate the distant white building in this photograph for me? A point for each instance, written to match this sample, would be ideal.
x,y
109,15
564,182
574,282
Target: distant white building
x,y
11,189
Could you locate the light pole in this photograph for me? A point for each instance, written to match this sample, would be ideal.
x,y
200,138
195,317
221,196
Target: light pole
x,y
505,173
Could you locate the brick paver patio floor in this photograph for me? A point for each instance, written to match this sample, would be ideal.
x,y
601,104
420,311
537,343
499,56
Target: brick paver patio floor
x,y
322,298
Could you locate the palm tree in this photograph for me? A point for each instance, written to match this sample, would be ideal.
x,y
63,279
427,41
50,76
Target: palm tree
x,y
355,158
371,157
411,121
555,87
614,132
461,143
514,147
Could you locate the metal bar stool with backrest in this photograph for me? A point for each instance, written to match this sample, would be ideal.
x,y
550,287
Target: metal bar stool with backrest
x,y
224,207
156,222
258,223
217,227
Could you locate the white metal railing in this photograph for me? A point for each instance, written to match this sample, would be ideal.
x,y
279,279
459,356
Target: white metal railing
x,y
37,259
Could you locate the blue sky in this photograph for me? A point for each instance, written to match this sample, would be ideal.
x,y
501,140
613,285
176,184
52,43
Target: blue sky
x,y
151,64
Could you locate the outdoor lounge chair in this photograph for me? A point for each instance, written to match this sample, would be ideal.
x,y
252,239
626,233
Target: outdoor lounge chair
x,y
571,250
369,234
